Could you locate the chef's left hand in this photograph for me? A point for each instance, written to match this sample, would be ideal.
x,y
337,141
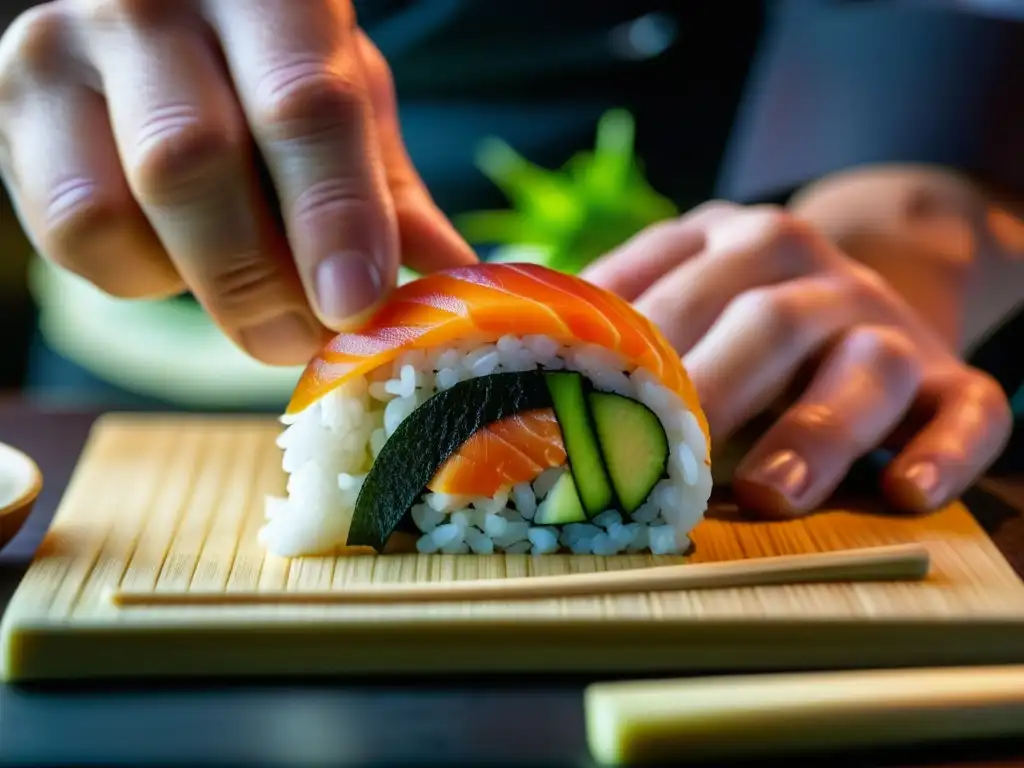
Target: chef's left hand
x,y
754,299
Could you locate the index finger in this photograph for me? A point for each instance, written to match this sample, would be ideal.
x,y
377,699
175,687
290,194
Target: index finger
x,y
300,82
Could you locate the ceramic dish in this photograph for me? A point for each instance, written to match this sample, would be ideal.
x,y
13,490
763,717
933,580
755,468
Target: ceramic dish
x,y
20,484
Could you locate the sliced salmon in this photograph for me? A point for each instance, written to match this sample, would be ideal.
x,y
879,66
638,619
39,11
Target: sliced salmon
x,y
490,301
510,451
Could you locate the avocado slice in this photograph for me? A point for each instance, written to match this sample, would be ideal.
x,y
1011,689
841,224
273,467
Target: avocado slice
x,y
425,440
634,446
562,504
568,394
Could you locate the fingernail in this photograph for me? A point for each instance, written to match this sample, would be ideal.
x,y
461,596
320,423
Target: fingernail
x,y
924,476
784,471
347,284
283,340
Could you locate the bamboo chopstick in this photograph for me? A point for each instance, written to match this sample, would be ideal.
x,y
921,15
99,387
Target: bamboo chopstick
x,y
902,562
675,721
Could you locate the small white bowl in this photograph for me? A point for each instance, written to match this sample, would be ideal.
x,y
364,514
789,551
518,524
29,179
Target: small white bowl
x,y
20,484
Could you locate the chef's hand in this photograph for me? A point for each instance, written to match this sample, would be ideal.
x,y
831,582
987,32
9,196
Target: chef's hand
x,y
129,133
754,299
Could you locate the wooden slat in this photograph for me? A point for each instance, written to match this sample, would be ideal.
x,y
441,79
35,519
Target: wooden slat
x,y
172,503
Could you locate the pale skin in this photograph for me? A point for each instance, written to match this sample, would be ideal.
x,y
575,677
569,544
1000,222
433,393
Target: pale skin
x,y
756,300
128,138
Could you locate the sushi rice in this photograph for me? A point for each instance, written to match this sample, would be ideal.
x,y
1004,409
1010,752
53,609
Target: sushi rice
x,y
329,447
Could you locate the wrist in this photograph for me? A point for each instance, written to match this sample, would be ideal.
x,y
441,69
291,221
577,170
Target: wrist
x,y
952,249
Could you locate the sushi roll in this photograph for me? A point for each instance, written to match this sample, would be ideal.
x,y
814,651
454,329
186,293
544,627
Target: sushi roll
x,y
497,408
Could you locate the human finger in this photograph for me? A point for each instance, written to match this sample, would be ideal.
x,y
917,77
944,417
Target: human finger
x,y
188,160
862,390
300,81
971,426
762,340
63,170
428,241
641,261
750,249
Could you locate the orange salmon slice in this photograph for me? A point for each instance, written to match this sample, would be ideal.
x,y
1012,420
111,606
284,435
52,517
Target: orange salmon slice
x,y
508,452
491,300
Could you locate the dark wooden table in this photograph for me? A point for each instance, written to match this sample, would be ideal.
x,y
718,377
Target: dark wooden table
x,y
520,721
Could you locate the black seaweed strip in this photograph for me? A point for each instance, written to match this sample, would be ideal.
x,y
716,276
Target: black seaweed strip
x,y
427,438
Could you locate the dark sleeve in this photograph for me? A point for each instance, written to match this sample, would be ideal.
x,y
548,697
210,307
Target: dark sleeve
x,y
838,84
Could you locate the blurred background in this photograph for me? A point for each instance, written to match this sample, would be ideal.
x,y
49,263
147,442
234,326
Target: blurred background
x,y
555,130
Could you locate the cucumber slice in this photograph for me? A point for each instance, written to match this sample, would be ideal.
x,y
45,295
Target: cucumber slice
x,y
562,505
634,446
581,446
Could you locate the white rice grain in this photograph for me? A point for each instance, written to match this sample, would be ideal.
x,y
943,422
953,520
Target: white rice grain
x,y
495,525
447,378
447,534
525,500
683,454
479,542
581,547
495,504
542,347
513,532
608,518
509,345
426,545
425,518
662,539
485,365
448,359
444,502
544,540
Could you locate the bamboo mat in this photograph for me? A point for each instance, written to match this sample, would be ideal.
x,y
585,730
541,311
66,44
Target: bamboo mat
x,y
171,503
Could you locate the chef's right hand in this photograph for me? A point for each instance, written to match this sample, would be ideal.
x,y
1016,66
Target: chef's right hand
x,y
129,138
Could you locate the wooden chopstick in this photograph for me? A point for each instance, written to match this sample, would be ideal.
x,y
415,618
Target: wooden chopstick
x,y
902,562
704,719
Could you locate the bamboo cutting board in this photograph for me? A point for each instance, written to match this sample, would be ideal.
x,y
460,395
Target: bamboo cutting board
x,y
170,503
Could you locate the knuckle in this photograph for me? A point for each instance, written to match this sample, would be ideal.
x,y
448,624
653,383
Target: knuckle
x,y
755,235
890,352
782,228
866,286
242,285
331,197
792,240
177,152
776,311
306,98
986,390
35,42
81,231
75,214
825,422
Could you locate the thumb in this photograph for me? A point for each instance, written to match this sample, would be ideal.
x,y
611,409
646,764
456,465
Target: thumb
x,y
428,239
